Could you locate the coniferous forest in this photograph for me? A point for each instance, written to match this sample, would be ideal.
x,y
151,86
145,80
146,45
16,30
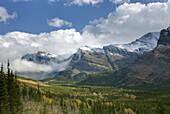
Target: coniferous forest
x,y
21,95
10,93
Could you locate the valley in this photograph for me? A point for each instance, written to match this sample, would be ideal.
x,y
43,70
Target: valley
x,y
95,99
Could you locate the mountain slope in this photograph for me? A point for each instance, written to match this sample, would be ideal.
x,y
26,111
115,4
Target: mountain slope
x,y
151,68
88,59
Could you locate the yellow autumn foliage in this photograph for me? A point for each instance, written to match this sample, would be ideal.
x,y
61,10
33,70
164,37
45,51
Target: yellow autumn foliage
x,y
47,100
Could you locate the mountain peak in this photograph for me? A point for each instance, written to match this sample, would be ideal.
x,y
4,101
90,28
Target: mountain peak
x,y
91,49
144,44
168,28
42,53
85,48
164,37
42,57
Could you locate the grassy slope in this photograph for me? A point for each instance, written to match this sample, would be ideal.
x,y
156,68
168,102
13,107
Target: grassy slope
x,y
90,90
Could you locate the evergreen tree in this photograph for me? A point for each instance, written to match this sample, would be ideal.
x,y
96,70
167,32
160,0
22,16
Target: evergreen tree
x,y
10,95
38,94
38,89
17,97
8,72
14,93
11,92
31,93
24,92
4,108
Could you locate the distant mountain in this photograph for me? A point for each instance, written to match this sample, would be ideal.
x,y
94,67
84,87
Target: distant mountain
x,y
112,57
43,58
56,62
152,68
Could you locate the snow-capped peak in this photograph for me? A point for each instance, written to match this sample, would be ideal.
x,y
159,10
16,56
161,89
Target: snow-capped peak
x,y
91,49
43,58
144,44
85,48
41,53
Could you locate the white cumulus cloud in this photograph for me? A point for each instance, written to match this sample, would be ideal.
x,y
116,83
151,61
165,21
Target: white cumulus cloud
x,y
4,16
56,22
128,22
14,45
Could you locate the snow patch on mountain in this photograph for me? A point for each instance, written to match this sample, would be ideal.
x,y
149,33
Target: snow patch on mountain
x,y
144,44
43,58
91,49
85,48
50,55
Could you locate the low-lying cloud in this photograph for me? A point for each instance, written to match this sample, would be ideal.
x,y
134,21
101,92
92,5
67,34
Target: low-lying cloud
x,y
26,66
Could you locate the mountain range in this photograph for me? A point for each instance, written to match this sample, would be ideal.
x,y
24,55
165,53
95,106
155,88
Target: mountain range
x,y
151,68
89,60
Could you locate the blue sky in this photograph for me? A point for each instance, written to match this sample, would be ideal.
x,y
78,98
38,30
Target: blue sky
x,y
32,15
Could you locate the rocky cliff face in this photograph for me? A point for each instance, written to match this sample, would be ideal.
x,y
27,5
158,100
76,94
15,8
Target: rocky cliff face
x,y
119,58
164,37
